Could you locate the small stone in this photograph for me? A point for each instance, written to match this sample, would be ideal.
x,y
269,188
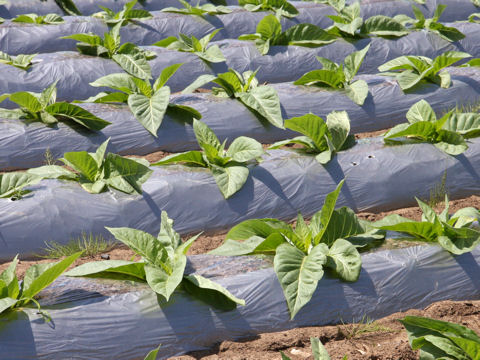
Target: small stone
x,y
105,256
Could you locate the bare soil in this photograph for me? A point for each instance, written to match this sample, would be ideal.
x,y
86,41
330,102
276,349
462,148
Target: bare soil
x,y
384,339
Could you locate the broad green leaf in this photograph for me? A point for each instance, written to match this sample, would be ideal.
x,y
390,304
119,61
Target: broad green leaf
x,y
82,162
310,125
189,158
381,25
447,32
471,348
422,129
152,355
428,214
131,270
199,82
422,230
13,182
343,224
459,241
124,174
244,149
166,74
77,114
447,346
302,140
14,114
38,277
318,350
9,279
353,62
205,136
150,111
338,123
68,7
345,260
450,142
329,78
446,59
135,64
421,111
26,100
7,303
230,179
90,39
119,81
211,292
357,91
212,54
255,227
165,284
401,62
265,101
52,172
305,35
465,124
269,27
299,274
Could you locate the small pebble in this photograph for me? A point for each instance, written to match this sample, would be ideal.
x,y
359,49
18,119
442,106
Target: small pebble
x,y
105,256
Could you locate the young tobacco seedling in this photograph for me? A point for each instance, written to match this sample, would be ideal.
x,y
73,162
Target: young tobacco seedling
x,y
128,14
340,76
43,107
12,184
452,232
128,56
229,167
302,253
269,33
322,139
280,7
198,10
261,99
412,70
349,24
318,351
162,266
196,46
433,25
14,295
447,133
438,339
95,172
21,61
49,19
148,103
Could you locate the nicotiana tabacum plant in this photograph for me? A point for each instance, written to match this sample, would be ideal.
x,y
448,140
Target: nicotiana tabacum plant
x,y
228,167
14,294
280,7
42,107
128,14
432,25
438,339
412,70
262,100
12,184
162,266
321,139
303,252
96,171
49,19
21,61
447,133
349,24
148,103
452,232
199,47
199,10
269,33
128,56
340,76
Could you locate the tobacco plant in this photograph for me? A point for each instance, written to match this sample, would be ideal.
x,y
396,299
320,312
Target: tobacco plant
x,y
447,133
199,47
302,253
321,139
98,171
269,33
318,351
148,103
340,76
262,100
128,56
128,14
412,70
229,167
12,184
452,232
349,24
280,7
15,294
438,339
20,61
49,19
198,10
43,107
432,25
162,266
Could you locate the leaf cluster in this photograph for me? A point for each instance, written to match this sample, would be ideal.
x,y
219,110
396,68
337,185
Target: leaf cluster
x,y
269,33
49,19
97,171
262,100
198,10
42,107
20,61
128,14
452,232
340,76
196,46
162,266
412,70
302,252
438,339
148,103
320,138
279,7
12,184
228,167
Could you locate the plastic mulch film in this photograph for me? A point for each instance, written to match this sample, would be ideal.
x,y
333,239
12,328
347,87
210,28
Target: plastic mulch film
x,y
377,178
23,145
83,309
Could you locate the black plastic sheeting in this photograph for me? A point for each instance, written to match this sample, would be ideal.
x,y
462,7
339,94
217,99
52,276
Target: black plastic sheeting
x,y
377,178
18,38
74,72
102,319
23,145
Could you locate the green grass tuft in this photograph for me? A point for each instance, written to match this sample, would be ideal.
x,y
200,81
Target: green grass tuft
x,y
90,245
